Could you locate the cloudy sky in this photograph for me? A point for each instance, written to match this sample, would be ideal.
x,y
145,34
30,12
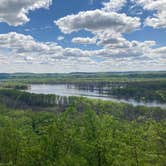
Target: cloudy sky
x,y
82,35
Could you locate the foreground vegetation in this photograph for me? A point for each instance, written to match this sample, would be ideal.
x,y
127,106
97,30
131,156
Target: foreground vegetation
x,y
50,130
79,138
80,132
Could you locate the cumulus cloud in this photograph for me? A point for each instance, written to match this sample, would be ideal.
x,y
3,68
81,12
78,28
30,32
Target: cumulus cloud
x,y
114,5
158,20
161,51
82,40
20,43
25,46
114,53
121,48
23,51
98,21
14,12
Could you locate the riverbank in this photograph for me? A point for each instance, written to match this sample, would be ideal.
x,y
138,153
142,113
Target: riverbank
x,y
23,100
89,92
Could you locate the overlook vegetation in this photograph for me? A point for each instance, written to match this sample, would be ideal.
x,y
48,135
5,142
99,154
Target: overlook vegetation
x,y
80,136
51,130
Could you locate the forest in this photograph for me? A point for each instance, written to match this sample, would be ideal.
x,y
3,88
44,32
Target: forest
x,y
77,138
140,86
52,130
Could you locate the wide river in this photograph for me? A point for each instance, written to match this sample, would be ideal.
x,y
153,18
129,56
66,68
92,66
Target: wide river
x,y
71,90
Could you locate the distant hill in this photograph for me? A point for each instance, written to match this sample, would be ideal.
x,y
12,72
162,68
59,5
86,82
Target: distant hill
x,y
130,74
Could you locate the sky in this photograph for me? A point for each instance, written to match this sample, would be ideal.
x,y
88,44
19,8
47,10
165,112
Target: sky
x,y
61,36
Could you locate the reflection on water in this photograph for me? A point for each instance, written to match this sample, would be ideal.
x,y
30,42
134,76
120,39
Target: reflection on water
x,y
71,90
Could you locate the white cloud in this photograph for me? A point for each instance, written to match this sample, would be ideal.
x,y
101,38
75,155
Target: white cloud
x,y
20,43
20,52
161,51
114,5
120,48
25,46
158,20
98,21
82,40
14,12
60,38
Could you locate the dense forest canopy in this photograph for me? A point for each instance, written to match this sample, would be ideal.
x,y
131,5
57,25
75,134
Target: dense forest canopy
x,y
82,136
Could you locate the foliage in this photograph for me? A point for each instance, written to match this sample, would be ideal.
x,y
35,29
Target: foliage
x,y
75,138
40,102
49,130
140,86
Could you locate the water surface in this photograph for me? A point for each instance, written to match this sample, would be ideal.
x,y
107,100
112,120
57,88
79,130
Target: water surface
x,y
71,90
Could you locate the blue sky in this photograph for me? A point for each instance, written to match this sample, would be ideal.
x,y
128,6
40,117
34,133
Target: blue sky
x,y
82,35
42,26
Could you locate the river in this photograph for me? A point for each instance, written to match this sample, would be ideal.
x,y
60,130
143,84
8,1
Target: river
x,y
71,90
